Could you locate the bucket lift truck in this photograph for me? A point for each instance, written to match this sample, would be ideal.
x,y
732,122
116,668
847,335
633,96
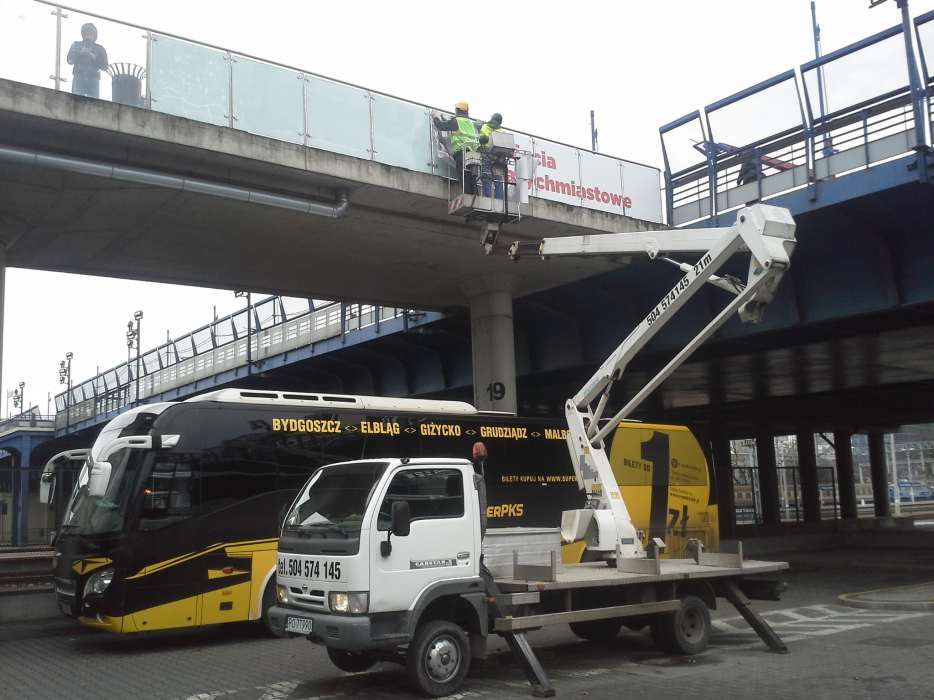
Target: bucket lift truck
x,y
768,234
500,204
421,585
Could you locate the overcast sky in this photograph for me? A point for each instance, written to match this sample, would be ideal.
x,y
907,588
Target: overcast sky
x,y
543,65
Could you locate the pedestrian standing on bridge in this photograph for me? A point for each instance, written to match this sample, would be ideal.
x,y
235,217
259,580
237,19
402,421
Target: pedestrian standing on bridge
x,y
464,139
88,59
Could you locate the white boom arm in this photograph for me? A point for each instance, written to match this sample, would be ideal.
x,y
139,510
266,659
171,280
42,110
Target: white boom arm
x,y
766,232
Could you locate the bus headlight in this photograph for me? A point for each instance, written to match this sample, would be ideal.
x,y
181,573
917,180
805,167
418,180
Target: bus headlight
x,y
354,603
282,593
99,581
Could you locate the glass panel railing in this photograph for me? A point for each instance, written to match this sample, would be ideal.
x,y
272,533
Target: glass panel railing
x,y
27,42
268,100
111,67
683,144
401,134
295,306
337,117
857,76
756,116
925,29
189,80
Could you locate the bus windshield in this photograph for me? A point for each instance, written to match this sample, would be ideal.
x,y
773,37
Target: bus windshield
x,y
335,499
88,514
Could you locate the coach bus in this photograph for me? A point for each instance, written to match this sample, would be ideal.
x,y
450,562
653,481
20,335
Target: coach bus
x,y
174,519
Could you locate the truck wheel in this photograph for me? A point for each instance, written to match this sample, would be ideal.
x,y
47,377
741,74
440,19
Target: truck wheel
x,y
686,631
597,630
269,600
350,662
438,658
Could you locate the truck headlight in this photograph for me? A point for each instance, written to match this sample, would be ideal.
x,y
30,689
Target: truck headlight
x,y
282,593
354,603
99,581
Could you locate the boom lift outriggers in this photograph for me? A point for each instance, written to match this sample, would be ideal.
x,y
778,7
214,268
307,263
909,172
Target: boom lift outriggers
x,y
409,585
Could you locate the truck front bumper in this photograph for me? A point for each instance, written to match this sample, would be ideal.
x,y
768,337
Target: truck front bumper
x,y
351,633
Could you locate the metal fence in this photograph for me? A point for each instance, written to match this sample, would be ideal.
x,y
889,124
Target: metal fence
x,y
747,495
851,109
277,325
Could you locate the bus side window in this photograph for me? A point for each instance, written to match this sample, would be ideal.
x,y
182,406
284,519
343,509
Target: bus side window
x,y
171,493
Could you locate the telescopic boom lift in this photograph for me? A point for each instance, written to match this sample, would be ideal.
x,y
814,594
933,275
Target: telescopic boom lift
x,y
767,233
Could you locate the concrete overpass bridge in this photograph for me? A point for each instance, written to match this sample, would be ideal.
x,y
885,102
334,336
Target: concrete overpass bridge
x,y
224,170
843,350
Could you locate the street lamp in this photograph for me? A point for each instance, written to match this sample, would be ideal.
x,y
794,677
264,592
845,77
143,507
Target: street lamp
x,y
64,377
133,340
249,329
18,397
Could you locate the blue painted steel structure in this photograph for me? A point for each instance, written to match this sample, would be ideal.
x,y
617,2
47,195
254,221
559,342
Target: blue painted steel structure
x,y
21,448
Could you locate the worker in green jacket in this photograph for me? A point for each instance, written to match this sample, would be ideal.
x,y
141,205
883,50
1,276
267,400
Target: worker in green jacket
x,y
487,164
464,138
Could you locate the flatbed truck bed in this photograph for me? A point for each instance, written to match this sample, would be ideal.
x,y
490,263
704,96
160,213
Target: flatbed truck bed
x,y
598,574
596,600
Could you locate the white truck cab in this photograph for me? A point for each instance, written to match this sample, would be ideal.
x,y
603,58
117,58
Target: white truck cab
x,y
373,550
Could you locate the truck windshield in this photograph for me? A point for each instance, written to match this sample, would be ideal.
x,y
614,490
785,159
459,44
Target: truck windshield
x,y
335,499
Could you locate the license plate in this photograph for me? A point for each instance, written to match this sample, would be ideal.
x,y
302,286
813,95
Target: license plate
x,y
300,625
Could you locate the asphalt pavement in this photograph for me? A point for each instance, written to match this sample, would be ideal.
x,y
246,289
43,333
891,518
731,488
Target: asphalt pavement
x,y
836,652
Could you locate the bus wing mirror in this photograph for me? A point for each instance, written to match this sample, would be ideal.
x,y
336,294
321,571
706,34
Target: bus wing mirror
x,y
99,478
46,487
401,519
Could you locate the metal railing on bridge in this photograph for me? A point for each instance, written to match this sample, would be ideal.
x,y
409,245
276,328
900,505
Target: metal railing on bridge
x,y
849,110
278,325
215,85
30,420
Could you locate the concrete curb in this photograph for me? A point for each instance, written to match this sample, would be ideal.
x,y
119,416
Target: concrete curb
x,y
30,606
877,600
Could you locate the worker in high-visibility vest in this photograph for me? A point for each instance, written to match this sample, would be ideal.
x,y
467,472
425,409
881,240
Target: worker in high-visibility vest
x,y
464,138
487,179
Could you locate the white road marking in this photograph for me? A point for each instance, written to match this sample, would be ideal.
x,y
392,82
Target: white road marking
x,y
796,624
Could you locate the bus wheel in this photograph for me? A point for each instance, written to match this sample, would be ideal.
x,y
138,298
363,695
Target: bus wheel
x,y
597,630
269,600
685,631
438,658
350,662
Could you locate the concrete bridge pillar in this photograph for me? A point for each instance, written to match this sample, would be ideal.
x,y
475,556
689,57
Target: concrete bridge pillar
x,y
879,475
768,478
723,468
807,470
493,346
845,479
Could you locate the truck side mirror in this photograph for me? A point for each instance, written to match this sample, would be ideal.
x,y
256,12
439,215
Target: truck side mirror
x,y
401,519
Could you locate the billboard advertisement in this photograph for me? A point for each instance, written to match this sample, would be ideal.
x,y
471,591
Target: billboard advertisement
x,y
560,173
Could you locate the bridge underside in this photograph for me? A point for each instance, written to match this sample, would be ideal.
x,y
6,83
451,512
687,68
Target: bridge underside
x,y
845,345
